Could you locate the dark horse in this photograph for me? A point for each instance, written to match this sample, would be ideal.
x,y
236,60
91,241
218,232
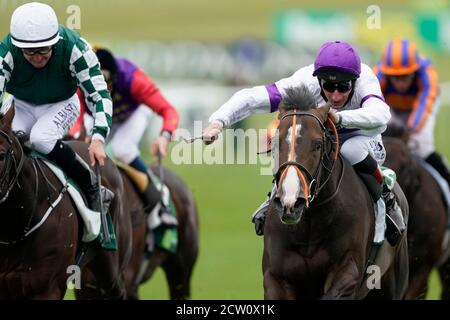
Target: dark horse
x,y
428,214
320,226
36,250
177,266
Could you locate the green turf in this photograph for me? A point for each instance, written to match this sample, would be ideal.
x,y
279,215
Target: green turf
x,y
229,265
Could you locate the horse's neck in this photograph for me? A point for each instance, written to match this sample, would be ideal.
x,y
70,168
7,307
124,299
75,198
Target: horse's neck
x,y
330,189
16,211
320,218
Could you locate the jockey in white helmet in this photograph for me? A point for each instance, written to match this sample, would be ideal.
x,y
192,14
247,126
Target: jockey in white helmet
x,y
42,64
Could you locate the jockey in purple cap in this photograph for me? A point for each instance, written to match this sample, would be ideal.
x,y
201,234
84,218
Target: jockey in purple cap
x,y
357,108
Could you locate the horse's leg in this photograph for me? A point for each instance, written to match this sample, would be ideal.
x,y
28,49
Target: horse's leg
x,y
277,289
53,292
418,283
342,280
444,273
178,275
157,258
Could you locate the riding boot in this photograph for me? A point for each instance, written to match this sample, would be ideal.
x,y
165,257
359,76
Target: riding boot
x,y
152,197
259,216
438,163
78,170
372,176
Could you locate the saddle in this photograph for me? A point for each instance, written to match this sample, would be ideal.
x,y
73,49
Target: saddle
x,y
91,219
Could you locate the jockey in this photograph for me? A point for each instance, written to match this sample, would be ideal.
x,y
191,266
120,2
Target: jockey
x,y
42,64
358,110
410,86
131,89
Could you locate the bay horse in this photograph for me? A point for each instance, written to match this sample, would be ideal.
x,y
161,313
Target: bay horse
x,y
40,227
428,218
319,228
177,266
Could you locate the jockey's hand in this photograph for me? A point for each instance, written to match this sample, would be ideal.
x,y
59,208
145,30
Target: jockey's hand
x,y
160,146
334,116
97,151
211,132
88,139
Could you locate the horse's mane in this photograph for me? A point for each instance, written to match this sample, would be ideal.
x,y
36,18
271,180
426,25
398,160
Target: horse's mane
x,y
299,98
24,140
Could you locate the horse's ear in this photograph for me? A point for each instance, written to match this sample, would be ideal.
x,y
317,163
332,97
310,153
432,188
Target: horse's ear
x,y
323,110
7,118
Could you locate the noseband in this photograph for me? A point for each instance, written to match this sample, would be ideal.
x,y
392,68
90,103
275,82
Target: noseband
x,y
312,189
11,168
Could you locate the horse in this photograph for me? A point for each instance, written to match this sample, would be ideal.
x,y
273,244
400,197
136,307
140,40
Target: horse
x,y
319,227
177,266
428,214
41,228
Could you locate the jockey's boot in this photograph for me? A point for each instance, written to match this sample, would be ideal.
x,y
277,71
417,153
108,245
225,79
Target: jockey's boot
x,y
441,166
78,170
152,197
259,216
372,176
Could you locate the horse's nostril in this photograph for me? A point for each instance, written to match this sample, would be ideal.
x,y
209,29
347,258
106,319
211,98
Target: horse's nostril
x,y
301,202
277,202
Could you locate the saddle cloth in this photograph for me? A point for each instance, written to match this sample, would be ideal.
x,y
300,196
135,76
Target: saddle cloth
x,y
91,219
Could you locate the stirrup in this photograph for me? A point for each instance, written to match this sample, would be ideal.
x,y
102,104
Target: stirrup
x,y
395,224
259,217
167,218
107,197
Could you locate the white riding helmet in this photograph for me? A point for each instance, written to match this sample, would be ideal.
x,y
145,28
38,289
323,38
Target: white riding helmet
x,y
34,25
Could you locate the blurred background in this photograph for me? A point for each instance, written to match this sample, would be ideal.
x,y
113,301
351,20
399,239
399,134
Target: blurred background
x,y
199,52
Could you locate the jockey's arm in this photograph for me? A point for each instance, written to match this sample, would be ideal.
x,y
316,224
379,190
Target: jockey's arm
x,y
6,68
426,98
143,90
374,112
84,64
259,99
246,102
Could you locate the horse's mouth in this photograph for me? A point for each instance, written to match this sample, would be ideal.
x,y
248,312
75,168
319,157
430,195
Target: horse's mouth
x,y
292,216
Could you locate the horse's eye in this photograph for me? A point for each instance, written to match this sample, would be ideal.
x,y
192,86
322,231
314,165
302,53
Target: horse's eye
x,y
2,156
317,146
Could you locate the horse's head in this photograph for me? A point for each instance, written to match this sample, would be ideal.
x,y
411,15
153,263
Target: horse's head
x,y
11,154
400,159
303,153
396,128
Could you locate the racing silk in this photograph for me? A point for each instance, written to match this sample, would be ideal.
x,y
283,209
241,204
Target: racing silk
x,y
133,88
73,64
365,114
420,98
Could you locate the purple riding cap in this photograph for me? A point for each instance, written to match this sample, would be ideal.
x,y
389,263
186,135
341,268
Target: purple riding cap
x,y
337,61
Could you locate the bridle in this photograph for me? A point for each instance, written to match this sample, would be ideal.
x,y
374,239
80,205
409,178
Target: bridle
x,y
312,189
11,169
